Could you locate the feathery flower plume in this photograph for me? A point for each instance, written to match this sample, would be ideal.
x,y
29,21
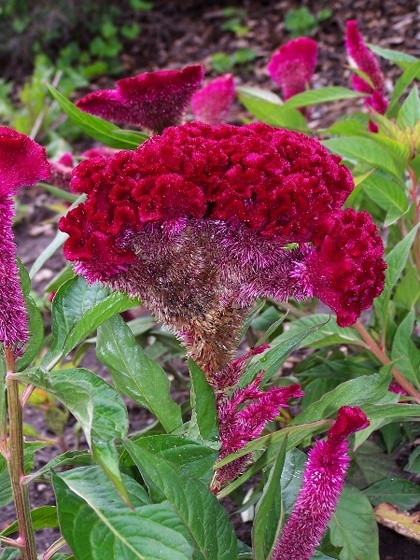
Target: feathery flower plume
x,y
198,223
364,59
212,103
323,482
22,162
240,423
292,66
153,100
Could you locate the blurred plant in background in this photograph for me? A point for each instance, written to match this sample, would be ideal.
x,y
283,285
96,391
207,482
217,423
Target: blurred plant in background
x,y
156,493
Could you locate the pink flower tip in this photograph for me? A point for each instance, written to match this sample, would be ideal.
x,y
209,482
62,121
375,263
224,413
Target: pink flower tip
x,y
212,103
22,161
292,66
349,420
153,100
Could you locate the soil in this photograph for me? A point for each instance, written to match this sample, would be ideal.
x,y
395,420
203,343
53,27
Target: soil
x,y
173,35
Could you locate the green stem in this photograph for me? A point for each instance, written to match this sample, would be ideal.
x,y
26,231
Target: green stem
x,y
373,347
16,462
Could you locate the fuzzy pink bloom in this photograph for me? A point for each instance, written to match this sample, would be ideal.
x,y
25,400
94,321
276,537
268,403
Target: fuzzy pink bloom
x,y
22,162
101,151
366,61
242,418
323,482
61,171
212,103
153,100
292,66
216,206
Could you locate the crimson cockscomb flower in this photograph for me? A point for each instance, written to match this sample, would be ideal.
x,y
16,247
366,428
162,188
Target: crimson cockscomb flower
x,y
153,100
364,59
22,162
212,103
323,482
202,221
242,417
292,66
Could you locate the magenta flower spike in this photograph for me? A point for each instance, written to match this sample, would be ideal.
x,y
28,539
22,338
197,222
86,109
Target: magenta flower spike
x,y
198,223
292,66
364,59
22,162
153,100
242,418
212,103
323,482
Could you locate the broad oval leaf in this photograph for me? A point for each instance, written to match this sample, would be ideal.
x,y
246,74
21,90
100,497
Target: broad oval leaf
x,y
96,405
77,310
203,516
97,524
353,527
134,374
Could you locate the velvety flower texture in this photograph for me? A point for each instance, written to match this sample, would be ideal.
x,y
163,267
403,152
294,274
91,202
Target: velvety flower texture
x,y
323,482
292,66
366,61
198,223
22,162
212,103
153,100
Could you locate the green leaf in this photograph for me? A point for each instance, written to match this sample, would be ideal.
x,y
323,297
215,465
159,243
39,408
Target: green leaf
x,y
328,332
415,166
408,290
404,349
49,251
5,488
201,513
36,335
97,128
387,195
203,404
365,150
95,404
401,493
354,528
267,107
321,95
134,374
392,411
77,310
371,464
42,517
97,524
291,478
401,59
402,84
268,509
67,459
191,457
409,114
413,464
356,392
271,360
396,261
294,435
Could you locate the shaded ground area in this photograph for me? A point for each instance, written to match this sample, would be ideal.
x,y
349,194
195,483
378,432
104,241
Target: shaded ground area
x,y
175,34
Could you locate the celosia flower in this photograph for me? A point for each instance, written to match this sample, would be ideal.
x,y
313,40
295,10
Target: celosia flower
x,y
22,162
366,61
240,423
198,223
212,103
292,66
61,171
153,100
323,482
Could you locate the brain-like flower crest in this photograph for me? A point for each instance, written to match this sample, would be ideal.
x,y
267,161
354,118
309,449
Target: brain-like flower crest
x,y
203,220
